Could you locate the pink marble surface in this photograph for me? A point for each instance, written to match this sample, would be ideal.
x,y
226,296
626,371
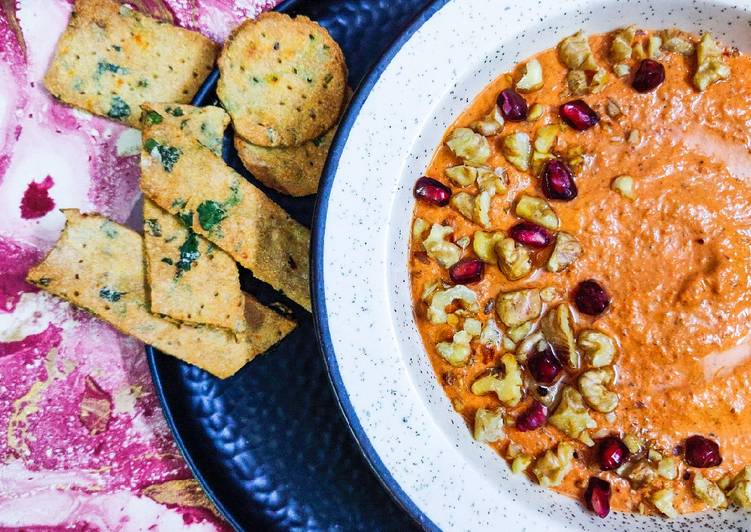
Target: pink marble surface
x,y
83,444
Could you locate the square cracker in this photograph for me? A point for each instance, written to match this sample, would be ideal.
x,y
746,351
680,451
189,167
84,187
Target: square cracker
x,y
111,59
189,278
97,264
188,180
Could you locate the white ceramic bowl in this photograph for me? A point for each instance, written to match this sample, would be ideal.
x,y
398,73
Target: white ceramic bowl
x,y
404,423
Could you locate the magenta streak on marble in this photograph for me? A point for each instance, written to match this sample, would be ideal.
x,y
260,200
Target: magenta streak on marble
x,y
96,407
15,260
82,437
34,343
36,201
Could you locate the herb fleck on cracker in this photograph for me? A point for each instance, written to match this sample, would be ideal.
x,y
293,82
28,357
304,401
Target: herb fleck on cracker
x,y
110,294
188,254
152,224
167,155
109,229
103,67
119,109
210,214
152,117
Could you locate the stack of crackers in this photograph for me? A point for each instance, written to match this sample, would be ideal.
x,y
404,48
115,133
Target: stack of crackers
x,y
283,82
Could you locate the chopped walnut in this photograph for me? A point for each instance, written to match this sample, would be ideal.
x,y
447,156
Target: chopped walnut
x,y
457,351
520,463
483,245
517,307
437,247
663,501
708,491
641,473
418,230
491,335
535,112
740,489
552,467
464,202
491,124
668,468
598,348
624,185
593,386
492,181
488,425
536,210
520,332
672,41
620,47
513,259
572,416
443,298
532,78
508,388
566,250
517,149
633,444
472,147
612,109
653,46
463,175
546,137
711,66
529,345
557,328
575,53
481,209
577,82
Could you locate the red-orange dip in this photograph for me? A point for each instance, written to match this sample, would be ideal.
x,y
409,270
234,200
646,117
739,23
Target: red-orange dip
x,y
656,210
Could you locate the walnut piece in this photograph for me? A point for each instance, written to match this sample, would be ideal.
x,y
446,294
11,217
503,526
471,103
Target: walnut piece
x,y
552,467
488,425
517,307
437,247
598,348
565,252
593,386
471,147
508,388
572,416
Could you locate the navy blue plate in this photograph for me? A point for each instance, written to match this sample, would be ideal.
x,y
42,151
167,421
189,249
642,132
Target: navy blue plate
x,y
269,445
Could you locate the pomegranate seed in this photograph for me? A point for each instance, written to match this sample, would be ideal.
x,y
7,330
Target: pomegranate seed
x,y
611,453
591,298
530,234
558,181
702,452
513,105
544,366
648,76
432,191
578,115
597,496
532,418
467,271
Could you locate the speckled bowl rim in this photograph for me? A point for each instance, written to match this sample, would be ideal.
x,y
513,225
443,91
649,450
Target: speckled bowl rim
x,y
321,316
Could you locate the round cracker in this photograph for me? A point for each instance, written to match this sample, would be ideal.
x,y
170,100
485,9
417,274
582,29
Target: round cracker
x,y
293,170
283,80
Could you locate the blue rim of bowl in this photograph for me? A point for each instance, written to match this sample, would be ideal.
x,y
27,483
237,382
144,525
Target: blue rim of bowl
x,y
317,264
